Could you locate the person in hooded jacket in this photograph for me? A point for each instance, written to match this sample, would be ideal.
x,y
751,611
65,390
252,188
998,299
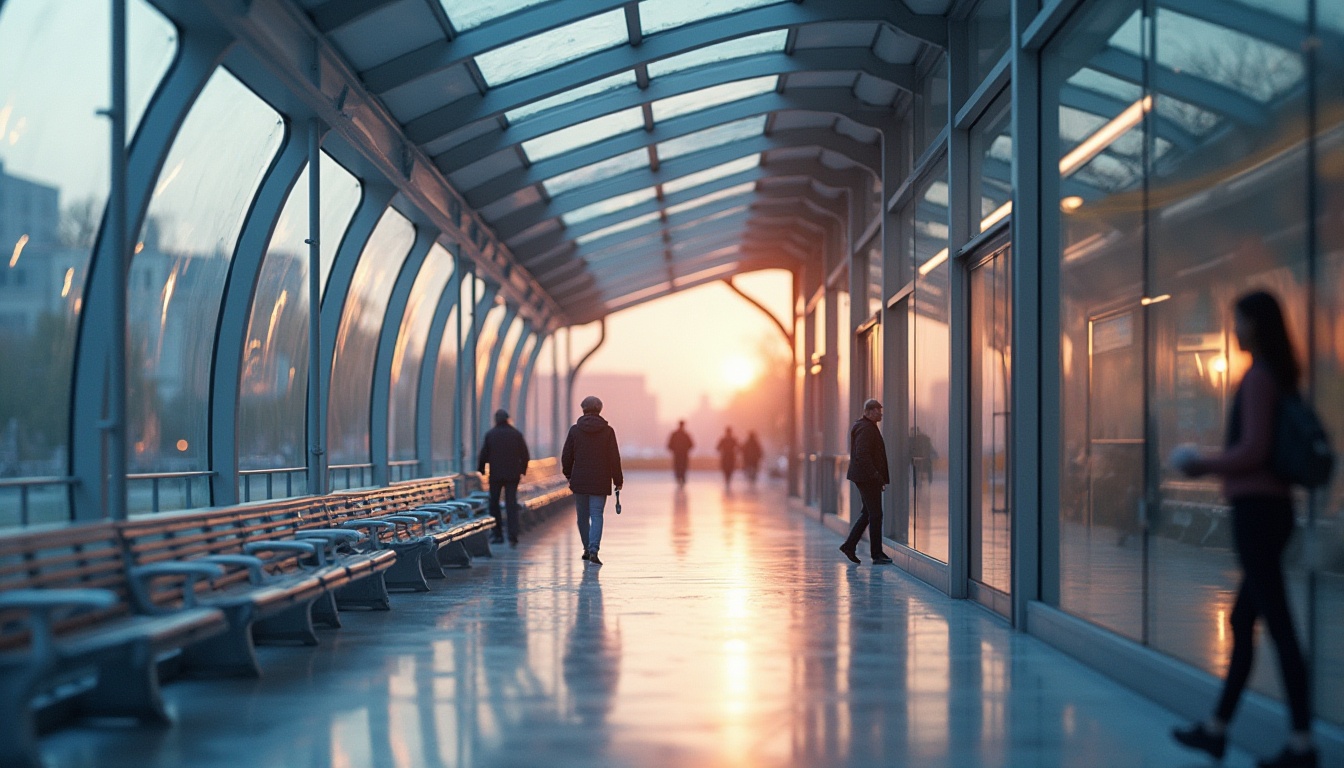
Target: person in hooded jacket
x,y
505,450
591,461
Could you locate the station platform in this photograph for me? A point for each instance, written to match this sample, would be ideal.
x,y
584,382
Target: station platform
x,y
722,630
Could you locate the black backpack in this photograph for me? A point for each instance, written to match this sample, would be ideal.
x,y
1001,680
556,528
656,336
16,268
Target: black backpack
x,y
1302,453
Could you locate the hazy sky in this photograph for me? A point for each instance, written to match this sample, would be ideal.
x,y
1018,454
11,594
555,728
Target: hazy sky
x,y
684,342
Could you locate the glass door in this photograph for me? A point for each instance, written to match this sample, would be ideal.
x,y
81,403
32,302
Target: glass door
x,y
991,357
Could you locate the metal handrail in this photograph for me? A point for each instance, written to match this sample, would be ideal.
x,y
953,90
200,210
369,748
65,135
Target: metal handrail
x,y
24,484
332,469
397,470
154,479
269,474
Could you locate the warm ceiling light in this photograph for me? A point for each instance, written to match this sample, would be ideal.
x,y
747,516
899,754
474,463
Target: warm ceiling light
x,y
1071,203
1146,300
1094,145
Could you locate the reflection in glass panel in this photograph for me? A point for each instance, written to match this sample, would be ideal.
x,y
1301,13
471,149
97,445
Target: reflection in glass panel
x,y
53,186
468,14
713,96
844,338
712,174
357,338
930,345
583,134
608,206
990,468
181,265
991,166
613,166
553,47
989,32
571,95
932,106
725,133
659,15
272,400
764,42
429,287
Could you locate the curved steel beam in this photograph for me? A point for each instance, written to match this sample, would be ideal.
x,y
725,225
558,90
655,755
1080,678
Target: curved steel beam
x,y
574,371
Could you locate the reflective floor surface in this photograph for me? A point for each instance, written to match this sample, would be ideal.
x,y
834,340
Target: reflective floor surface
x,y
723,630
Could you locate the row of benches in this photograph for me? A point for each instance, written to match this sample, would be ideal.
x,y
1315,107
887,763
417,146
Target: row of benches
x,y
92,614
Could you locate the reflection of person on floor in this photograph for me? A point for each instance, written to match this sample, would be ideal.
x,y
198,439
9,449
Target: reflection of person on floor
x,y
505,450
751,457
727,449
681,522
592,661
591,461
869,472
921,456
1262,521
680,444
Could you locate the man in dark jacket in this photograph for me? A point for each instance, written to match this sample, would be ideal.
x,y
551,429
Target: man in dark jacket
x,y
505,450
680,444
868,471
591,461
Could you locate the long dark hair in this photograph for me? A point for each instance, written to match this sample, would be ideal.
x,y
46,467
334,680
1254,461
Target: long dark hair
x,y
1272,345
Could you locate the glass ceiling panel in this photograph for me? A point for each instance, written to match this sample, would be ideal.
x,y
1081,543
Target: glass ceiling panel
x,y
709,138
612,166
713,197
712,96
468,14
610,205
617,228
1100,82
553,48
583,134
571,95
765,42
659,15
710,174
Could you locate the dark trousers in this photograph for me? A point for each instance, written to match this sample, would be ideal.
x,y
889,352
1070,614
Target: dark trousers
x,y
510,489
1261,526
679,464
870,517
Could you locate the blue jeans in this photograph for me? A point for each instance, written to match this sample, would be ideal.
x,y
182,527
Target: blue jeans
x,y
589,508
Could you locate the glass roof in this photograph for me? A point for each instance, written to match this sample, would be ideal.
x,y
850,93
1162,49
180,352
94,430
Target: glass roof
x,y
719,135
713,96
617,228
710,174
610,205
1101,82
469,14
659,15
552,48
613,166
583,134
713,197
765,42
569,96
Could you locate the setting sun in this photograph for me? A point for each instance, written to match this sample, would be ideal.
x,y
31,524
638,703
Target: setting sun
x,y
739,372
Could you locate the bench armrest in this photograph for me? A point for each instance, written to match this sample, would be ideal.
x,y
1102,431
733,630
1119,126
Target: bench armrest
x,y
191,572
42,604
254,565
371,528
298,548
342,535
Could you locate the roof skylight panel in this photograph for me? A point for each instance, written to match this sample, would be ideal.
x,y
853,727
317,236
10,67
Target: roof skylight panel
x,y
612,166
711,174
713,96
608,206
469,14
713,197
553,47
583,134
725,133
573,94
659,15
618,228
751,45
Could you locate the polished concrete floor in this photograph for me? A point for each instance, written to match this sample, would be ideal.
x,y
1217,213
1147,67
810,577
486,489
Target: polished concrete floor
x,y
723,630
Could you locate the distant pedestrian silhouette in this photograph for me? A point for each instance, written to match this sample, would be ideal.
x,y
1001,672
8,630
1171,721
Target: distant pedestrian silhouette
x,y
680,444
751,457
727,449
505,451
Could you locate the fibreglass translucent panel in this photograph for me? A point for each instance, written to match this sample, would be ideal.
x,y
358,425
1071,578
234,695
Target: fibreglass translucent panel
x,y
445,397
573,94
511,337
764,42
658,15
710,174
409,352
583,134
616,228
713,96
341,193
485,346
181,265
53,187
613,166
717,136
468,14
610,205
357,338
713,197
553,48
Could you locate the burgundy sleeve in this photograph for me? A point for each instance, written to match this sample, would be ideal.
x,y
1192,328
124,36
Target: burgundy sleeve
x,y
1259,406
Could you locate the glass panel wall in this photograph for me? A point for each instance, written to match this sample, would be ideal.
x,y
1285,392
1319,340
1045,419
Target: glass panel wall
x,y
989,32
445,381
931,365
991,167
931,108
989,468
177,276
511,337
53,187
410,351
357,338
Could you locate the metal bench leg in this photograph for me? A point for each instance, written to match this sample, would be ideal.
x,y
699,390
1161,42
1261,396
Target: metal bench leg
x,y
478,544
405,573
454,555
430,566
369,592
325,611
18,726
230,654
128,686
294,624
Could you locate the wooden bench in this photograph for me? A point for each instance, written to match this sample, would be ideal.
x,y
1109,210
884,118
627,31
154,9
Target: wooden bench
x,y
77,634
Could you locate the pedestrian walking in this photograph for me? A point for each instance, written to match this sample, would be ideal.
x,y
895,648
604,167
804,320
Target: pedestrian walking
x,y
751,456
727,449
680,444
869,473
504,450
1262,521
591,461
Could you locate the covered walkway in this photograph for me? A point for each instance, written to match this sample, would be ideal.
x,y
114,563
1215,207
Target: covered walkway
x,y
723,629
